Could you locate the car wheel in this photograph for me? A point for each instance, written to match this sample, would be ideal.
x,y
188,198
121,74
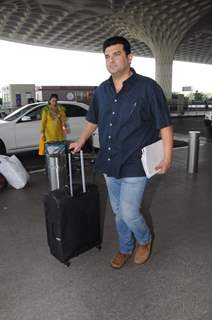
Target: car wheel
x,y
2,148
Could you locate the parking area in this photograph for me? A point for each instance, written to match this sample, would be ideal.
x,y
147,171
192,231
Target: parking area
x,y
175,284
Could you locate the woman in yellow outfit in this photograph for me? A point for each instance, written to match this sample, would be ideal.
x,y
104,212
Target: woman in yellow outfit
x,y
53,128
53,121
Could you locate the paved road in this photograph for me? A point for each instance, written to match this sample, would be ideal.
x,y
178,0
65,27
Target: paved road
x,y
32,161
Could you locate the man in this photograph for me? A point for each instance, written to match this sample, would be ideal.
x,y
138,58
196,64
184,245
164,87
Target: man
x,y
131,112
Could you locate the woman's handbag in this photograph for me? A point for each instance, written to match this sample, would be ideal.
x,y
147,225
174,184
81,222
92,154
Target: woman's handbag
x,y
41,148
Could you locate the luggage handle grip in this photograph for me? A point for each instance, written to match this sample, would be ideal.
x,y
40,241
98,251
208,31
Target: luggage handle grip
x,y
82,173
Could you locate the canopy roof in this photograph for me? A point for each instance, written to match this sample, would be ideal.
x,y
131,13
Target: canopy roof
x,y
184,26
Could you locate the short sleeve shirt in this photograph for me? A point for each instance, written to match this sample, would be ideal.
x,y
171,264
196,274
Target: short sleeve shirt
x,y
127,121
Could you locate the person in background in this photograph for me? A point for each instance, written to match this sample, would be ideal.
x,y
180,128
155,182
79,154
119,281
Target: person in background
x,y
53,121
53,129
131,112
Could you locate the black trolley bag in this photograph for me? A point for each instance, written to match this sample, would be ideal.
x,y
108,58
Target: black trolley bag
x,y
73,219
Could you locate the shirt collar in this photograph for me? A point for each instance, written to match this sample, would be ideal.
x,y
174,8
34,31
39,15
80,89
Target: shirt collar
x,y
128,81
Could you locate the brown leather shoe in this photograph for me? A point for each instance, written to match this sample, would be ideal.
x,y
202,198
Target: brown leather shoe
x,y
142,253
119,260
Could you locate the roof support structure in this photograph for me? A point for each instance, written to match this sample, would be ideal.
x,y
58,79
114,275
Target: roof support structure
x,y
163,73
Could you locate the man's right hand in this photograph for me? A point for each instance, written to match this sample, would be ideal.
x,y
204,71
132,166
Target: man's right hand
x,y
76,146
86,133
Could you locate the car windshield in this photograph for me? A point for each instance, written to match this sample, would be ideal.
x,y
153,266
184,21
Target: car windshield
x,y
19,112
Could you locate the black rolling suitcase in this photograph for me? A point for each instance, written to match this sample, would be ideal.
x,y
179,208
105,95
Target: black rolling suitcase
x,y
73,220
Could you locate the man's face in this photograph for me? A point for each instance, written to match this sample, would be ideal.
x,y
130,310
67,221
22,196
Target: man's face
x,y
117,61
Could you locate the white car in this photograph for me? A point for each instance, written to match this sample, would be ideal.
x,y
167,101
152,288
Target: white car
x,y
20,130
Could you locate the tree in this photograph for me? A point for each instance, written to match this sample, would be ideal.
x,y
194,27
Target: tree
x,y
198,96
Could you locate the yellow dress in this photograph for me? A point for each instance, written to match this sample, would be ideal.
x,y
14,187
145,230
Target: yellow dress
x,y
52,123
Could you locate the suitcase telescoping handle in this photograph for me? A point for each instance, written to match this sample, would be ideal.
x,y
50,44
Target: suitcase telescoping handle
x,y
82,173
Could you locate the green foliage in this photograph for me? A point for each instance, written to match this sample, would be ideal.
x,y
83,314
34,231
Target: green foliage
x,y
199,96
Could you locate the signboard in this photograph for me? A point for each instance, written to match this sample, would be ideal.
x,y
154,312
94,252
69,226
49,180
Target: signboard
x,y
188,88
18,99
70,96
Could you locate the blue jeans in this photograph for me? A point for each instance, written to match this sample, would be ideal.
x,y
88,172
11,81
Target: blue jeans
x,y
126,195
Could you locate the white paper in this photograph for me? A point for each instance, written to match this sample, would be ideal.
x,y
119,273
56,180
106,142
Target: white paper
x,y
151,156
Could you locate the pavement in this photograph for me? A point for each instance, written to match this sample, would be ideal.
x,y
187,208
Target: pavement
x,y
175,284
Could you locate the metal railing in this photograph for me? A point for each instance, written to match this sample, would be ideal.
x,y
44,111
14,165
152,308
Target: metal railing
x,y
189,109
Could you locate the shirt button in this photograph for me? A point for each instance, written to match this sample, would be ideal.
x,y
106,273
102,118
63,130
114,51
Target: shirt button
x,y
115,100
109,148
113,112
108,159
111,124
109,137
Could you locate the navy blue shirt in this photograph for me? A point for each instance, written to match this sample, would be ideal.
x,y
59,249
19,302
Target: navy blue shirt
x,y
127,121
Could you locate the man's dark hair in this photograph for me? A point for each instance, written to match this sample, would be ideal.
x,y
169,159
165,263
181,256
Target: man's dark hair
x,y
117,40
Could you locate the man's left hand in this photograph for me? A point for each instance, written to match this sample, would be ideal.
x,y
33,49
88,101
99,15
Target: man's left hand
x,y
163,166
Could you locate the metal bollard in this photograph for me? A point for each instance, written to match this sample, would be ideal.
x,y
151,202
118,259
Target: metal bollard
x,y
57,171
193,152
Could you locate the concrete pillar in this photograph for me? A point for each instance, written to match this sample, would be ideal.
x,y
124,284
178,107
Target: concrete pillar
x,y
163,72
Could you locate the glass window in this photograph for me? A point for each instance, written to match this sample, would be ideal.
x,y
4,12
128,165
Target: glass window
x,y
35,114
19,112
74,111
